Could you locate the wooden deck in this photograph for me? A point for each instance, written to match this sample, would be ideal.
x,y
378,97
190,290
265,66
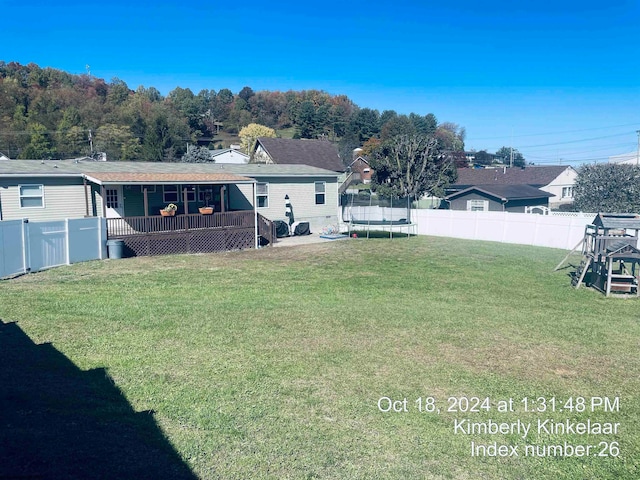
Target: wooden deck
x,y
193,233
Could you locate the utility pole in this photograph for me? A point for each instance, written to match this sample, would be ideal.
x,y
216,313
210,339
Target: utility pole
x,y
638,152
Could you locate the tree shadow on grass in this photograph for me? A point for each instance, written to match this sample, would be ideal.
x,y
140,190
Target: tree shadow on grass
x,y
59,422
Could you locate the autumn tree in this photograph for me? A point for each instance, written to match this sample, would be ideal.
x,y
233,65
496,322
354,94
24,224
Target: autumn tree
x,y
411,166
249,135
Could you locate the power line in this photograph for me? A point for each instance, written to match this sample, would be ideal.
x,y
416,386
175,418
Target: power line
x,y
558,132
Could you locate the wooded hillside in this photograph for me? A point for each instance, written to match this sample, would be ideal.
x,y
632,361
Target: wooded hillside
x,y
48,113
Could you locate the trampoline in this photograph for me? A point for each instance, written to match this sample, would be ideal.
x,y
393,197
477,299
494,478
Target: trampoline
x,y
371,212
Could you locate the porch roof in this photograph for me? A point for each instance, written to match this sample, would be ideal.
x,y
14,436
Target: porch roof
x,y
120,178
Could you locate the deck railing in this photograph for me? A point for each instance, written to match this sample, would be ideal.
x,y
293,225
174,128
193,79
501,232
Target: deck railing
x,y
193,233
125,226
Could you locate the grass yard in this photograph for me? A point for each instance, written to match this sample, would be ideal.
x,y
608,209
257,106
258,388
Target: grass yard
x,y
273,363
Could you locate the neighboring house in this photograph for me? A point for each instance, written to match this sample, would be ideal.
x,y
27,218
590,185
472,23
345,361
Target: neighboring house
x,y
631,158
498,198
557,180
286,151
229,155
360,166
55,189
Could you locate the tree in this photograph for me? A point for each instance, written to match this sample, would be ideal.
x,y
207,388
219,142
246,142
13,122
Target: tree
x,y
504,155
483,158
249,135
608,187
450,135
198,155
398,125
246,93
39,146
364,124
411,166
117,142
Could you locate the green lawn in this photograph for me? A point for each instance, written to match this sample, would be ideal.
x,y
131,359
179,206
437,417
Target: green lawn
x,y
271,363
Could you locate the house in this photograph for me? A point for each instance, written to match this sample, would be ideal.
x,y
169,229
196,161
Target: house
x,y
556,180
229,155
360,166
130,195
498,198
285,151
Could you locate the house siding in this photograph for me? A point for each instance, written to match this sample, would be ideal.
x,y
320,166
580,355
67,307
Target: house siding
x,y
63,198
516,206
460,203
302,196
232,156
261,156
565,179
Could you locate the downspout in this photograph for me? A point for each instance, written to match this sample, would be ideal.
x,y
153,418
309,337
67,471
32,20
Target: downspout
x,y
86,197
255,215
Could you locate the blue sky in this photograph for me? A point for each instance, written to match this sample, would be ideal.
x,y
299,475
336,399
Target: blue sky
x,y
558,80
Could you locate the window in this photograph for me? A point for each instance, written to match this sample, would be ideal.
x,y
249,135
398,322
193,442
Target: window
x,y
567,192
31,196
204,192
477,205
112,198
320,190
191,192
262,195
170,193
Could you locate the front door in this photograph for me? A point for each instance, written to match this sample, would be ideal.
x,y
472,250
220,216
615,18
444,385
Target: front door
x,y
115,201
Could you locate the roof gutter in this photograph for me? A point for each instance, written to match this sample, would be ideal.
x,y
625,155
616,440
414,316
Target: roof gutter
x,y
165,182
36,175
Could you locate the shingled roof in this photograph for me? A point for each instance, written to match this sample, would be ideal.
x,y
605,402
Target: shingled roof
x,y
534,176
616,221
316,153
504,192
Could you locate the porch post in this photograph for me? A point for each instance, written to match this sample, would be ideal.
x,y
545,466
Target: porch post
x,y
255,215
223,191
146,201
186,208
86,197
103,192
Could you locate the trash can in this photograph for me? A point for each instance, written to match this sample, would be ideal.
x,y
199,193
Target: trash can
x,y
115,248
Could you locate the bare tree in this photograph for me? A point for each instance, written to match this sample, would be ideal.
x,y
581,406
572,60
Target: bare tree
x,y
412,166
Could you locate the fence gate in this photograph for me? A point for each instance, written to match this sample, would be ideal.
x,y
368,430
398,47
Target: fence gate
x,y
32,246
12,252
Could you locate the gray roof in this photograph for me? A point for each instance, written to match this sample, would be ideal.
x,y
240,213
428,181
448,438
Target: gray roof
x,y
65,168
317,153
616,221
504,192
532,175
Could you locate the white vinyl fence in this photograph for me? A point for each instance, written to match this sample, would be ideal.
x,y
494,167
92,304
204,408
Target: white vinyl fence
x,y
541,230
32,246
